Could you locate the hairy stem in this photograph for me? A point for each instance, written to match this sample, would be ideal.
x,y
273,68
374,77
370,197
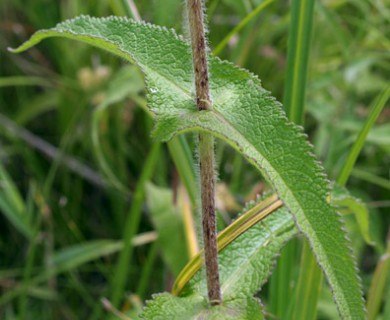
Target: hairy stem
x,y
199,57
206,150
207,181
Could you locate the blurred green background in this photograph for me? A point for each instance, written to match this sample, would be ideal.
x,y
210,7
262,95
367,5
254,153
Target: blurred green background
x,y
75,151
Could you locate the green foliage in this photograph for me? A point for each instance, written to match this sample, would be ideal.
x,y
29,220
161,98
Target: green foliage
x,y
168,223
166,306
246,116
68,259
358,145
246,263
379,282
347,204
13,207
66,139
132,224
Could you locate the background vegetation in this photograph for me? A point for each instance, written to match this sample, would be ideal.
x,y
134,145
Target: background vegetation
x,y
75,153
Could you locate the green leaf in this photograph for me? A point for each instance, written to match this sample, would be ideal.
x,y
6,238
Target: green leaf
x,y
304,302
238,237
241,25
182,158
23,81
298,57
349,204
379,281
13,206
74,256
247,262
375,111
246,116
132,224
168,223
166,306
127,82
369,177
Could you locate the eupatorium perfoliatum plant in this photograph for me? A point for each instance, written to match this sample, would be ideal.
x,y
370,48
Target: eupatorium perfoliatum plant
x,y
247,117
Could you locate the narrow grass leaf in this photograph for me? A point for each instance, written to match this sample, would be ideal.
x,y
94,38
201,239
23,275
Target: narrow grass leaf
x,y
378,284
119,278
371,178
72,257
168,223
298,59
24,81
305,299
127,82
184,163
12,205
376,109
241,25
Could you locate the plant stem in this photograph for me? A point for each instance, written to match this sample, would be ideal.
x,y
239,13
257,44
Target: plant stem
x,y
206,150
199,56
207,182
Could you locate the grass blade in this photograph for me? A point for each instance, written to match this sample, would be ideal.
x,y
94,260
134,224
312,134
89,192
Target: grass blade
x,y
24,81
12,205
378,284
118,281
377,107
280,291
308,287
168,223
241,25
184,163
73,257
297,59
371,178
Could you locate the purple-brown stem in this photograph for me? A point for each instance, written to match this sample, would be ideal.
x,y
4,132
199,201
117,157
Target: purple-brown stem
x,y
206,150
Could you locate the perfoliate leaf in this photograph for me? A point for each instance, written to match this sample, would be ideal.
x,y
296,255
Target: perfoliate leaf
x,y
246,116
166,306
246,263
